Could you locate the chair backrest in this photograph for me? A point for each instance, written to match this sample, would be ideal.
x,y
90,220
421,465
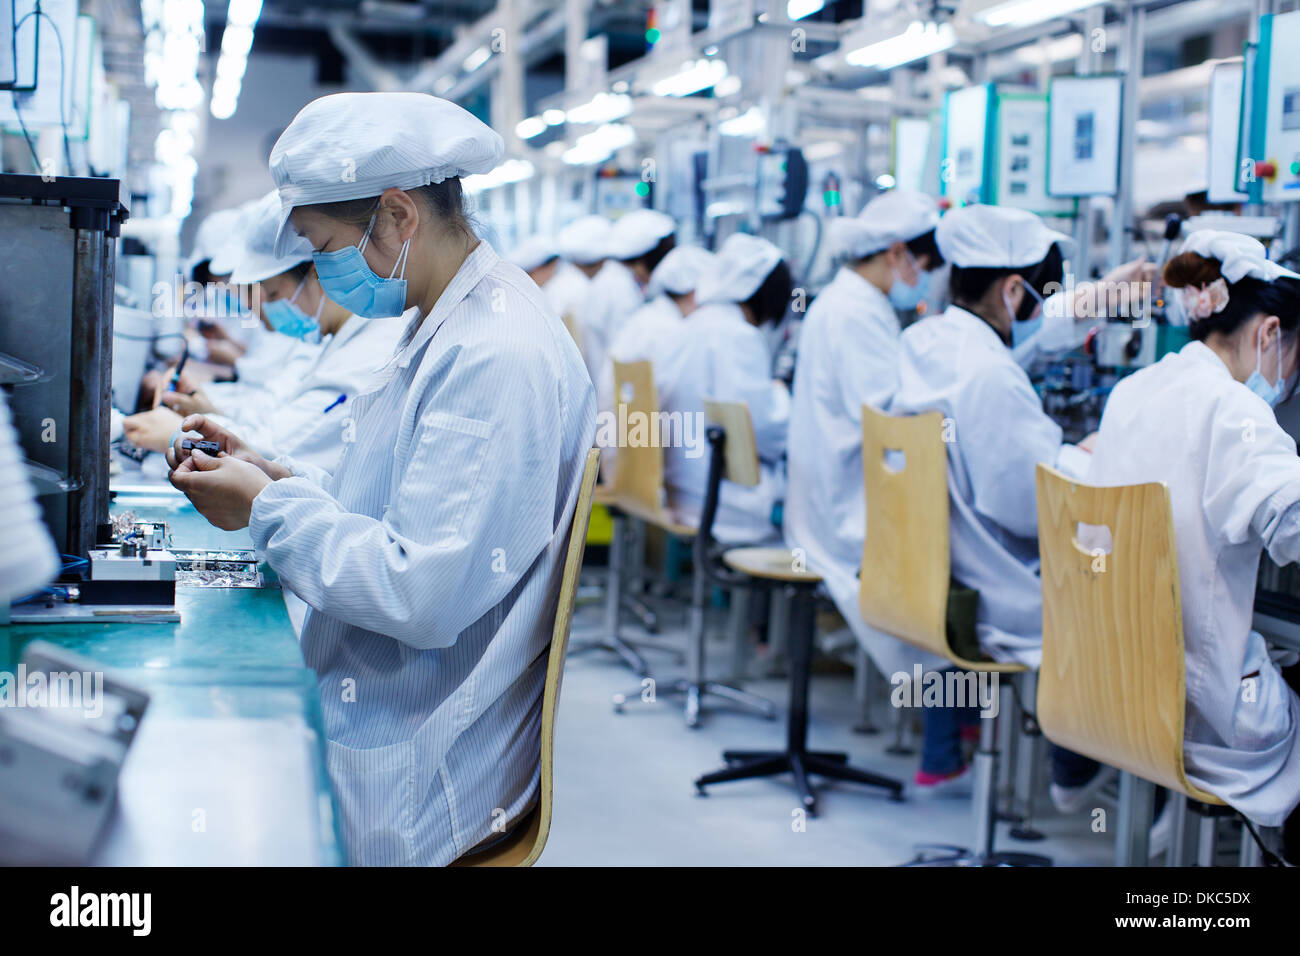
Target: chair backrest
x,y
903,588
1112,681
639,470
571,323
742,447
525,844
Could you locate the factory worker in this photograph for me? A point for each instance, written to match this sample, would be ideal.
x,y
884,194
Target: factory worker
x,y
1202,422
431,556
670,297
582,246
538,256
960,364
28,560
637,242
310,418
848,357
721,353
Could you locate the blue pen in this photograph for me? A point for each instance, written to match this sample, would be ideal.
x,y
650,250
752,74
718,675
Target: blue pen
x,y
336,403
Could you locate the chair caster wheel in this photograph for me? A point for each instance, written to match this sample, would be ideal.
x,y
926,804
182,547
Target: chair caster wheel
x,y
619,701
896,796
700,791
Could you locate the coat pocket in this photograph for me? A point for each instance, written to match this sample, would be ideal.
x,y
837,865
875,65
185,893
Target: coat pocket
x,y
376,800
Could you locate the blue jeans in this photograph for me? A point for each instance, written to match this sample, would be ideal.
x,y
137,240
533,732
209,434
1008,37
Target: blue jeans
x,y
941,742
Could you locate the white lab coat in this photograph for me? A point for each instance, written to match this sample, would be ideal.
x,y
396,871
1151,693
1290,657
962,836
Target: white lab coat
x,y
717,354
567,291
1234,484
432,559
848,357
308,422
957,364
268,372
614,294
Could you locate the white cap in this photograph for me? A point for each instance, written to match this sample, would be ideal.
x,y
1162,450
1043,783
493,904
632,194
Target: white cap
x,y
534,252
739,268
996,237
585,240
680,271
258,260
637,232
899,215
1239,256
212,234
356,145
230,246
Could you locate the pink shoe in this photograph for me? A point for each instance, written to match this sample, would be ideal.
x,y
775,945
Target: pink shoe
x,y
942,784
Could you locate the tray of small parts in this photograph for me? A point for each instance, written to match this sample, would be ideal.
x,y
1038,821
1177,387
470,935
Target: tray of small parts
x,y
205,568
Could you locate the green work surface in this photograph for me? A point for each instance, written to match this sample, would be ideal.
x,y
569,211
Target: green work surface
x,y
232,657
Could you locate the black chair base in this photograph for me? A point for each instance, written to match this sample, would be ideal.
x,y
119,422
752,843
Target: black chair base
x,y
960,856
750,764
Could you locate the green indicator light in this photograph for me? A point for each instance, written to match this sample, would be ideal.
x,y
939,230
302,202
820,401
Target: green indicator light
x,y
831,197
643,189
652,36
1295,168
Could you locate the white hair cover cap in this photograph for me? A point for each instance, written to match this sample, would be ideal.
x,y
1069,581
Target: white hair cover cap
x,y
211,235
259,260
356,145
585,240
533,252
996,237
637,232
899,215
740,267
680,271
230,246
1239,256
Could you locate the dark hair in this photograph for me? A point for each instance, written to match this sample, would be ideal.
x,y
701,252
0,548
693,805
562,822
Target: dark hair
x,y
445,200
1247,297
969,284
654,256
202,272
922,245
772,298
300,271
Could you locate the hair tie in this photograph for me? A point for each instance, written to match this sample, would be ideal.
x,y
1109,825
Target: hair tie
x,y
1207,300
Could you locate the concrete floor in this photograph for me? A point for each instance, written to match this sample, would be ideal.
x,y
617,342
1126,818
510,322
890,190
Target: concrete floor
x,y
624,793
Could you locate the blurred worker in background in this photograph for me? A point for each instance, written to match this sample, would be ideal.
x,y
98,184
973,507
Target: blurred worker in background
x,y
582,246
720,353
848,357
636,244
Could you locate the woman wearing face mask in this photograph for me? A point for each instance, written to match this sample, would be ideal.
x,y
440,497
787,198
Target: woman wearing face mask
x,y
1201,421
720,352
305,412
848,357
431,556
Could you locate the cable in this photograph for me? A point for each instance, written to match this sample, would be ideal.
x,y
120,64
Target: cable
x,y
1270,858
147,338
63,88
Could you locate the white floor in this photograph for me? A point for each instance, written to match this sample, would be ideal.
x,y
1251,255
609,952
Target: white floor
x,y
624,791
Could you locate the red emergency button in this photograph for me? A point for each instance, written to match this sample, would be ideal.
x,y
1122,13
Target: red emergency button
x,y
1265,169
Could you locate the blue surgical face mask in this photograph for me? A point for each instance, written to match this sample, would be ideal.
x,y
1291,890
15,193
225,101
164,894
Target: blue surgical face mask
x,y
1021,332
1258,384
348,280
906,297
287,319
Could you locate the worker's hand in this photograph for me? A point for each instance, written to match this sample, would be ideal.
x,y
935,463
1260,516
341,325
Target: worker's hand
x,y
231,445
151,430
225,352
1088,443
191,403
1138,270
221,489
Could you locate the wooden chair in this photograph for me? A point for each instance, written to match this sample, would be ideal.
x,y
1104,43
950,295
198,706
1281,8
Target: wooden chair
x,y
905,583
635,495
735,457
1112,685
527,840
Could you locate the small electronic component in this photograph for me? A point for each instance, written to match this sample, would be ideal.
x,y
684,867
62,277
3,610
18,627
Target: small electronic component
x,y
207,447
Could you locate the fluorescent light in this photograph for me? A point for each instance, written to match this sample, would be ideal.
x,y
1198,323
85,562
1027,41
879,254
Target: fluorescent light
x,y
798,9
553,117
885,181
727,87
243,13
236,41
693,77
602,108
533,126
476,59
443,84
600,144
511,171
918,41
1020,13
823,150
750,123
